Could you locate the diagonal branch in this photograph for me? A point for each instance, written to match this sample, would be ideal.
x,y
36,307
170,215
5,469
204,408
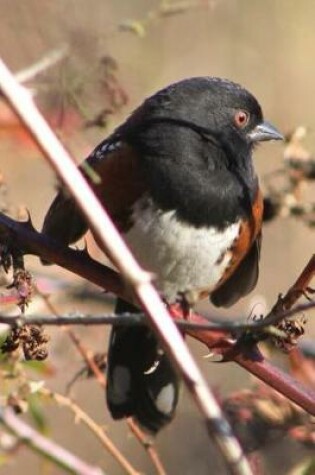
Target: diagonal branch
x,y
24,237
139,280
42,445
50,59
298,289
95,428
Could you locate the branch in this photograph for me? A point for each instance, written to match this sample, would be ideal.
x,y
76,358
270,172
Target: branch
x,y
50,59
95,428
299,288
42,445
277,379
132,319
23,236
250,358
112,244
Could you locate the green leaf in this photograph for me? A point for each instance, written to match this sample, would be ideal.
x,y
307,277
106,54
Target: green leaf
x,y
37,413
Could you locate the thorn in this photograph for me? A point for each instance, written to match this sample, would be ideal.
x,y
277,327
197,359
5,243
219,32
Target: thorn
x,y
85,245
84,251
305,295
28,223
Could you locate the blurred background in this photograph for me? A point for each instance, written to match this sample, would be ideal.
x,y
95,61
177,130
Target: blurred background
x,y
110,55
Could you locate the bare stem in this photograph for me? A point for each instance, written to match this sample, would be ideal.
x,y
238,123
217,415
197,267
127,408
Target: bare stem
x,y
95,428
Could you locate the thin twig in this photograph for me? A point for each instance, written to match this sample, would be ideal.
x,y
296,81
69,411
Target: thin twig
x,y
135,319
96,429
298,289
40,444
86,355
147,444
111,243
44,63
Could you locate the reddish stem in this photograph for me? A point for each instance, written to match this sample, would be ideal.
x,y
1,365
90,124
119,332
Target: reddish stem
x,y
80,263
253,361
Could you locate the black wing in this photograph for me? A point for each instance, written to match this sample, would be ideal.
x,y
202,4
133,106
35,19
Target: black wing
x,y
120,185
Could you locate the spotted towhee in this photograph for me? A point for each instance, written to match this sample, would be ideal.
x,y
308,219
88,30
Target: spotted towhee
x,y
178,181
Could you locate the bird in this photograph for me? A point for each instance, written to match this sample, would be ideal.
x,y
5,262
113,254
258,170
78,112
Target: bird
x,y
178,180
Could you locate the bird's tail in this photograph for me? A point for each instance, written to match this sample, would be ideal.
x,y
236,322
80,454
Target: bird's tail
x,y
141,381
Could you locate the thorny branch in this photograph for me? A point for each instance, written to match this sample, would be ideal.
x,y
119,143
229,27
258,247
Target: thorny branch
x,y
138,280
299,288
95,428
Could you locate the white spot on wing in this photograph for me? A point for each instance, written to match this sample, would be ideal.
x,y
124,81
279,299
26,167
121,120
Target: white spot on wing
x,y
165,399
156,363
105,147
152,367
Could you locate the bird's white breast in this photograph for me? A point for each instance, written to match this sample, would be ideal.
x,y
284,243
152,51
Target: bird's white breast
x,y
182,257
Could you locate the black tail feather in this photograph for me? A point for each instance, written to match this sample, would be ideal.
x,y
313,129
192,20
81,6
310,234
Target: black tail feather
x,y
141,381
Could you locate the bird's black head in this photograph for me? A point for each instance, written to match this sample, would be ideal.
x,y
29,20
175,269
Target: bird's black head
x,y
215,107
195,135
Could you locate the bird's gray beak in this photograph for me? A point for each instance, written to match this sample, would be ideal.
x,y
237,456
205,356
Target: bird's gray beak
x,y
264,131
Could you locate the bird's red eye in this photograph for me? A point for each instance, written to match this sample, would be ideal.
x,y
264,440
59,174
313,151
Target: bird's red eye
x,y
241,119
